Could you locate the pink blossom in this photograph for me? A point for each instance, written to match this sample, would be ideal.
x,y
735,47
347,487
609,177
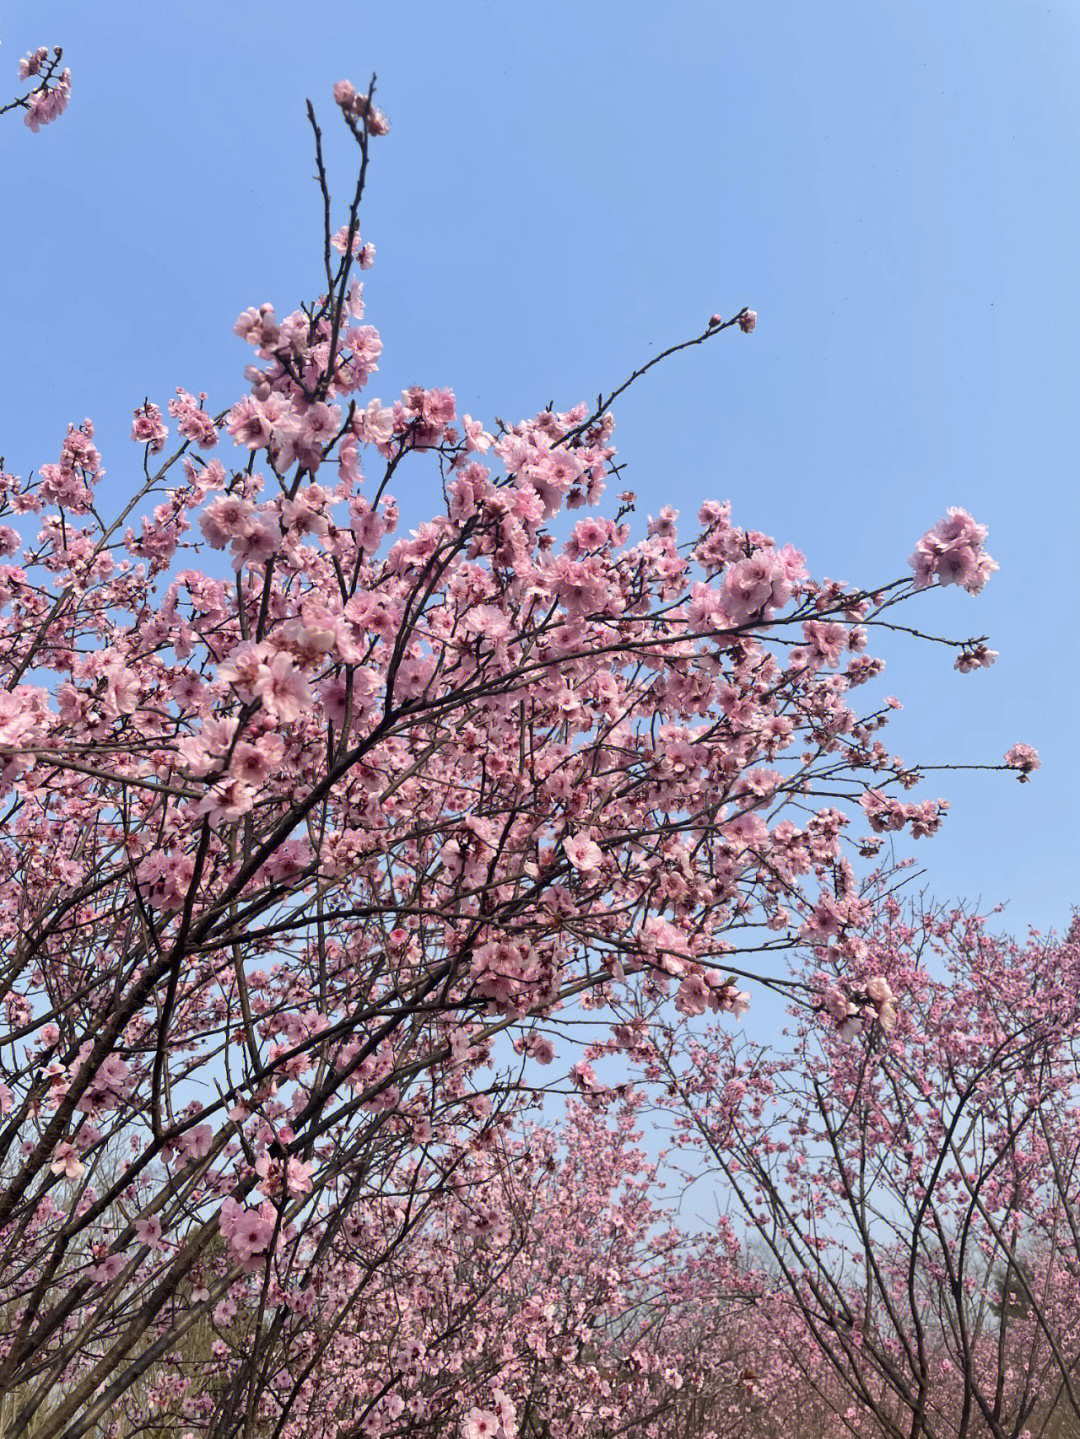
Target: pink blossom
x,y
32,62
254,763
837,1003
374,425
479,1424
476,437
1024,758
746,831
540,1048
583,853
256,544
738,1002
754,585
977,657
224,518
283,689
250,1234
46,104
192,421
66,1162
255,422
506,1412
226,801
953,553
878,989
488,621
242,669
195,1143
693,995
113,1075
149,428
107,1269
148,1231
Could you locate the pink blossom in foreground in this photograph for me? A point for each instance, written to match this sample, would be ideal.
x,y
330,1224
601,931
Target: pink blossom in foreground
x,y
50,98
248,1232
1024,758
46,104
976,657
32,62
148,1231
359,107
479,1424
149,428
583,853
953,554
107,1268
66,1162
195,1144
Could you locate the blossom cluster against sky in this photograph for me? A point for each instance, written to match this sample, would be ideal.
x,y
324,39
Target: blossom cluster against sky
x,y
567,188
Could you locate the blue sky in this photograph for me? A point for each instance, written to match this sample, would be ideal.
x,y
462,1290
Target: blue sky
x,y
565,189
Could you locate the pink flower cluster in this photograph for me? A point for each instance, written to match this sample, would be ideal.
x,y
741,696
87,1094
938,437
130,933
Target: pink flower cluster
x,y
69,483
192,420
975,657
876,1002
706,990
111,1083
761,583
249,1232
1024,758
359,107
149,429
50,99
952,553
497,1423
32,62
887,813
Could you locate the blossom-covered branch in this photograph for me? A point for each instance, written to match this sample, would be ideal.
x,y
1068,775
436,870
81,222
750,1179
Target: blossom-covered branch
x,y
49,97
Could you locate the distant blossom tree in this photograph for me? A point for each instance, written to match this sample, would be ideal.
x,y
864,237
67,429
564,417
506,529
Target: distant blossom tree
x,y
316,837
915,1181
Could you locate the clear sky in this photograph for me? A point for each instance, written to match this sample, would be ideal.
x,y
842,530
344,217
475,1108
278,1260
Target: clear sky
x,y
568,187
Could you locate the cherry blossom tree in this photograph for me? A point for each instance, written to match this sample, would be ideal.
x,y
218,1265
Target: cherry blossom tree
x,y
321,840
913,1176
547,1293
549,1296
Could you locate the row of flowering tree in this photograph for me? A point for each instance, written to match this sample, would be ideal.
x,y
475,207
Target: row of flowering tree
x,y
903,1256
321,840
